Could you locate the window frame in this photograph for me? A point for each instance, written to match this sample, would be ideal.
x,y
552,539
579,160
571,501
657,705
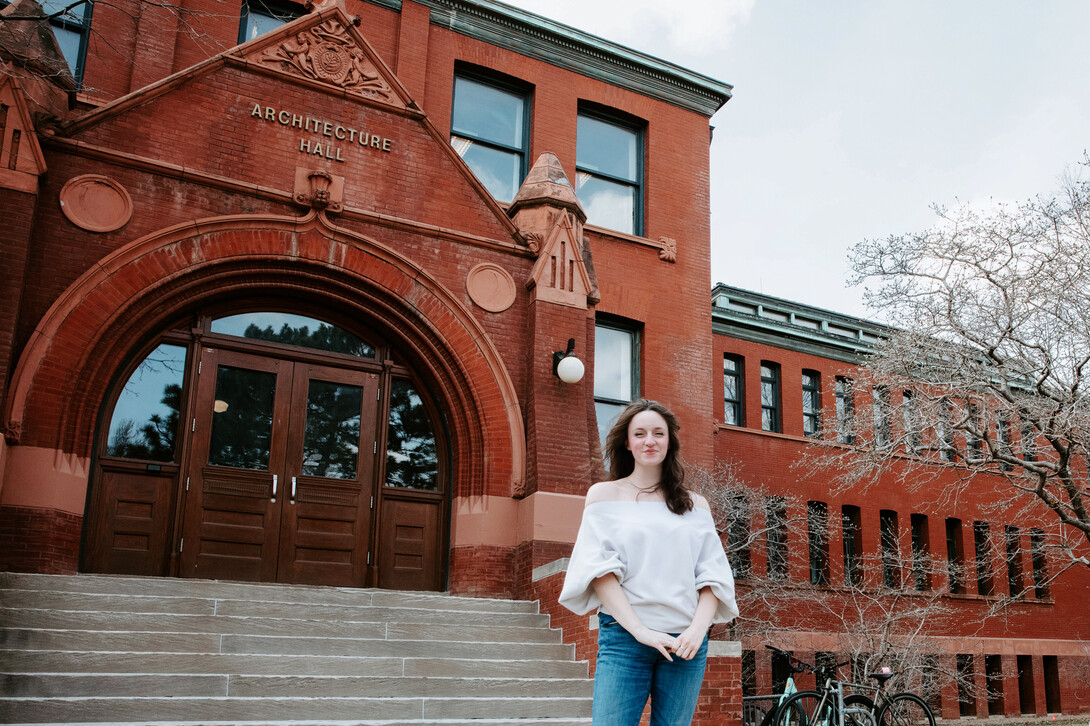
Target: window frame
x,y
955,556
776,544
844,392
921,552
634,125
811,403
1039,559
738,405
68,21
817,538
889,542
773,423
276,9
881,408
982,551
634,330
1012,543
851,520
508,84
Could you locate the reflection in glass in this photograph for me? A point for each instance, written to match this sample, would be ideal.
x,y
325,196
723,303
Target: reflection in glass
x,y
606,148
293,330
613,363
500,171
607,414
607,204
145,420
242,431
412,459
331,440
486,112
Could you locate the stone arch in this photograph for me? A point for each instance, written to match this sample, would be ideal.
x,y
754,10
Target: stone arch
x,y
68,364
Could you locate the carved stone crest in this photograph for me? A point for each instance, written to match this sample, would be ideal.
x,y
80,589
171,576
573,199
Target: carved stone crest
x,y
327,53
668,251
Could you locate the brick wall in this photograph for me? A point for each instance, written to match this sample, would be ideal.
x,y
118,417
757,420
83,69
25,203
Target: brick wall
x,y
38,540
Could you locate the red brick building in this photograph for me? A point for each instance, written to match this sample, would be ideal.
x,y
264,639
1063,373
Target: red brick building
x,y
284,293
788,373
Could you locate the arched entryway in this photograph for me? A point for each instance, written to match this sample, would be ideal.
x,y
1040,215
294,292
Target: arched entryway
x,y
272,446
170,288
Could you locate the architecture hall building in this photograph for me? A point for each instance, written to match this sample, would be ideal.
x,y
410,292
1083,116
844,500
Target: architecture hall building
x,y
346,295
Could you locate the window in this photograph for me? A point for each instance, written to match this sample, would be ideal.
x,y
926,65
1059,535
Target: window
x,y
738,535
993,684
891,548
1014,560
911,422
733,390
1040,562
817,527
955,556
144,424
982,547
616,372
609,170
921,552
975,423
844,410
1029,441
489,129
880,403
770,396
261,16
811,404
776,537
1003,441
966,689
852,521
946,431
71,29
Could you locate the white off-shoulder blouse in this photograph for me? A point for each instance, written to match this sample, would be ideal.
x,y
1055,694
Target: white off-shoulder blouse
x,y
661,559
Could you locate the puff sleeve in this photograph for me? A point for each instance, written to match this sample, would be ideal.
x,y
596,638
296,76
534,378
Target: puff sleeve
x,y
597,552
712,570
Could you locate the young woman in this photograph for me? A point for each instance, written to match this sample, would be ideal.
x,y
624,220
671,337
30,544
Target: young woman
x,y
648,557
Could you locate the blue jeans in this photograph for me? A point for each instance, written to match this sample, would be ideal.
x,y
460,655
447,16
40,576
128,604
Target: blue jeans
x,y
629,671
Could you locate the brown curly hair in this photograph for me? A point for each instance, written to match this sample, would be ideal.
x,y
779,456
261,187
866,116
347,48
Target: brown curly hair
x,y
621,462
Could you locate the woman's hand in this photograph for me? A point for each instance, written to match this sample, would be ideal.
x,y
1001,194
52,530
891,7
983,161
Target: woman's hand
x,y
662,642
689,641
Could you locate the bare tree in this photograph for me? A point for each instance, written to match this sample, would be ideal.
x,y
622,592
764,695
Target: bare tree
x,y
980,392
889,608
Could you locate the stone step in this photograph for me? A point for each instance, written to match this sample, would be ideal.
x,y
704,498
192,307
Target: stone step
x,y
55,661
148,641
56,685
265,592
255,625
279,709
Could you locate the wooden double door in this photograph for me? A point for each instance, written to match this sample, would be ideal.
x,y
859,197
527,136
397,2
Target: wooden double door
x,y
281,483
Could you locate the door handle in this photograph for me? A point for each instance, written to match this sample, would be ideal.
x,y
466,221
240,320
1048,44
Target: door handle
x,y
274,488
293,490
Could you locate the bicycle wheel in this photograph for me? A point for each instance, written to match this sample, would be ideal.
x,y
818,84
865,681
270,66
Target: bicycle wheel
x,y
905,709
852,703
806,708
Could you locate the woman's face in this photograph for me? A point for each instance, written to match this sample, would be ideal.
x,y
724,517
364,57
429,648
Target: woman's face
x,y
648,438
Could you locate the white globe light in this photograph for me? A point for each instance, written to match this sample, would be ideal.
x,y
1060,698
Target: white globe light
x,y
570,369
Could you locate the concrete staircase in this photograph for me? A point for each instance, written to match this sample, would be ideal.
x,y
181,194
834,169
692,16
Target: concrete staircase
x,y
128,650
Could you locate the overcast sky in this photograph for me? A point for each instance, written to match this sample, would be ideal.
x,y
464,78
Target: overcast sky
x,y
850,118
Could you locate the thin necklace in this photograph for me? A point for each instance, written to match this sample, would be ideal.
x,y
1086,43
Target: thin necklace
x,y
644,490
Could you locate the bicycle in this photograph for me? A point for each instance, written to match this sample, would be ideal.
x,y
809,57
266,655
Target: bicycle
x,y
830,706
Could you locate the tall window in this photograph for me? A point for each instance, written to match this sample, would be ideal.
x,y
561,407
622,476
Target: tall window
x,y
490,130
733,390
261,16
852,521
921,553
811,403
845,407
616,371
1040,562
947,451
982,547
965,678
880,402
891,548
817,525
1029,441
1013,543
609,169
776,537
738,535
976,423
1003,440
770,396
71,29
955,556
911,422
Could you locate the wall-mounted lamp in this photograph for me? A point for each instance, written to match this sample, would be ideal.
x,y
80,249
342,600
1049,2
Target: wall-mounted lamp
x,y
566,366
